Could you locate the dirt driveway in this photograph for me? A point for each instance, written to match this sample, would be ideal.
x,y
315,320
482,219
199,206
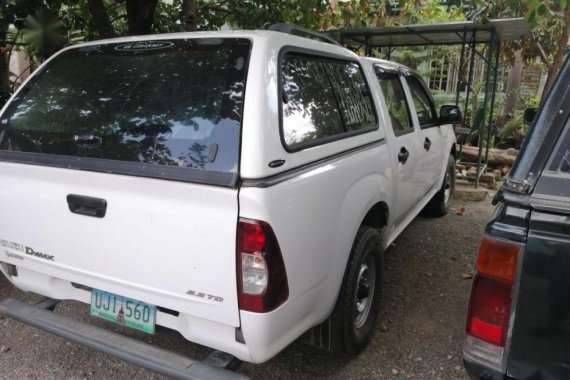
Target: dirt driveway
x,y
419,333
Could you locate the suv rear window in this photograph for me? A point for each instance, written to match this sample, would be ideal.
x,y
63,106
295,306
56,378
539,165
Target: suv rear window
x,y
324,99
167,102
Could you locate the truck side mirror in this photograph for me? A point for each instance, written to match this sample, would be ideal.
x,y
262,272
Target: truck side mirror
x,y
450,115
530,115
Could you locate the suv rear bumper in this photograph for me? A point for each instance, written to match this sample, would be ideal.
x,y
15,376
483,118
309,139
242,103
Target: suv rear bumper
x,y
125,348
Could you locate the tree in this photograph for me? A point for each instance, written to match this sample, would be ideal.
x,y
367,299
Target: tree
x,y
101,18
549,22
561,19
140,16
513,84
190,15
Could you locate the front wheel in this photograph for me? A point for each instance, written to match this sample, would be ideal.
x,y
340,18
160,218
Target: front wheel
x,y
441,202
354,316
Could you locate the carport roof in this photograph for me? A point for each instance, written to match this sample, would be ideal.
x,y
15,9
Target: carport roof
x,y
435,34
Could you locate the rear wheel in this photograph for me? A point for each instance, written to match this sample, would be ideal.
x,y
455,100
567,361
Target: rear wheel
x,y
355,313
441,202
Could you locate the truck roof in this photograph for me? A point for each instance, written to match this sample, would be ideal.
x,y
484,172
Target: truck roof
x,y
391,66
253,35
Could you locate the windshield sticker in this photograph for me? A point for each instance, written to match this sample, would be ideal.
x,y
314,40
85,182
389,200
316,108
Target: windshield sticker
x,y
27,250
144,45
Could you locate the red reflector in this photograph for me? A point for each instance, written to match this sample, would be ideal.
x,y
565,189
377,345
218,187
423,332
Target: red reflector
x,y
481,328
498,259
489,310
251,236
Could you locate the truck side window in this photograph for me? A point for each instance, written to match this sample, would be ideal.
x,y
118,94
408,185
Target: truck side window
x,y
322,100
424,105
396,103
560,160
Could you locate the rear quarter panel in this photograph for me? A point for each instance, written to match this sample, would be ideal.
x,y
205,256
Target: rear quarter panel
x,y
315,217
314,213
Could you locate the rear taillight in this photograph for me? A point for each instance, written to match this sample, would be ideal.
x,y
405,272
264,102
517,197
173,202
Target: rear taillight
x,y
490,304
262,280
490,309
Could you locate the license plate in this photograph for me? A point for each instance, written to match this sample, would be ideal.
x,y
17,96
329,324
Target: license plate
x,y
122,310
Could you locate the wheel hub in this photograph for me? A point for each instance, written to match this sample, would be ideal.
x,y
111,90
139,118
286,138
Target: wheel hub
x,y
447,187
364,291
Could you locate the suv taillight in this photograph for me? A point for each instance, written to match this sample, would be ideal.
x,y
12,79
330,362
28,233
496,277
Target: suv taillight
x,y
490,304
262,280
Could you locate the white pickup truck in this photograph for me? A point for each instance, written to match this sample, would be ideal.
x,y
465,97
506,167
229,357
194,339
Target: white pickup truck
x,y
237,187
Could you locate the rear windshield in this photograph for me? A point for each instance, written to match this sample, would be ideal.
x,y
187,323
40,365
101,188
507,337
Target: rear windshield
x,y
170,102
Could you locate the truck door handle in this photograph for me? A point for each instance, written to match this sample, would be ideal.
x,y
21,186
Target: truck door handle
x,y
427,144
403,155
89,206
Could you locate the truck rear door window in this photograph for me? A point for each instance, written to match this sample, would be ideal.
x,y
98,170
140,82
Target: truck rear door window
x,y
323,100
396,102
423,103
171,103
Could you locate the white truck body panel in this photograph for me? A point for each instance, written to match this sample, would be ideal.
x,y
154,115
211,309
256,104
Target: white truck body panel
x,y
155,243
162,240
317,250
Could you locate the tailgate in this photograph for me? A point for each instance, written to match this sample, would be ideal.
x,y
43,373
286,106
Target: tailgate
x,y
541,332
167,243
146,127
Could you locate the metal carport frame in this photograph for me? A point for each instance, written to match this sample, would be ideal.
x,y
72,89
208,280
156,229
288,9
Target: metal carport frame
x,y
473,34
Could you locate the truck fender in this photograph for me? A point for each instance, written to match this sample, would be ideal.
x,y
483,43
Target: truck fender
x,y
359,200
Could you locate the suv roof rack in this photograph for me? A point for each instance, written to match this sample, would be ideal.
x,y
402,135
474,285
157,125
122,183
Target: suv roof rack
x,y
302,32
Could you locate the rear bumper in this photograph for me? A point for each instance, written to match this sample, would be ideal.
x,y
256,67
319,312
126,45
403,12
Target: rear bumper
x,y
65,286
125,348
477,371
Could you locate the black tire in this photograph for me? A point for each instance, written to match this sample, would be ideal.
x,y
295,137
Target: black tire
x,y
440,203
351,329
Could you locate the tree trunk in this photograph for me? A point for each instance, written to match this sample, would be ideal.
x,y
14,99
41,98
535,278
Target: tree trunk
x,y
140,16
190,15
101,18
496,156
5,53
4,72
513,84
558,57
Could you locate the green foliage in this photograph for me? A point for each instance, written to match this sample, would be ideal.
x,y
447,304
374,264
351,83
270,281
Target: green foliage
x,y
532,102
432,12
510,126
44,35
546,20
244,14
409,58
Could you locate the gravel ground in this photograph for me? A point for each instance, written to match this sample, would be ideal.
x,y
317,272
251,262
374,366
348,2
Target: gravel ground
x,y
419,332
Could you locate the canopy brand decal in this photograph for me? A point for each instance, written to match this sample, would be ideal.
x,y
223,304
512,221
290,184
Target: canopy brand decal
x,y
144,45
